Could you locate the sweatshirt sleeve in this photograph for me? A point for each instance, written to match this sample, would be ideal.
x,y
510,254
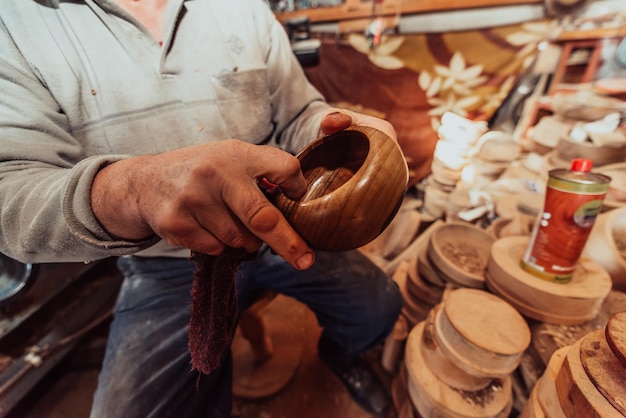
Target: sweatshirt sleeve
x,y
45,213
298,106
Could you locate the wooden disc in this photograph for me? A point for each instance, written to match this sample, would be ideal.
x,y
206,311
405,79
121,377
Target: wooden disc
x,y
432,397
547,395
616,336
580,299
469,357
486,321
604,370
253,380
577,394
531,311
460,251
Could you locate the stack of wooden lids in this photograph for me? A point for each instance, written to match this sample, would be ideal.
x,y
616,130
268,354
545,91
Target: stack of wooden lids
x,y
459,252
572,303
459,360
548,338
421,286
585,379
418,296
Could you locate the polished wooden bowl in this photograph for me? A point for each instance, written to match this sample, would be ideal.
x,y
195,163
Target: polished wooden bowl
x,y
356,181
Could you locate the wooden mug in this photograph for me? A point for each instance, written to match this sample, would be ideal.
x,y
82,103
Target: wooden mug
x,y
356,181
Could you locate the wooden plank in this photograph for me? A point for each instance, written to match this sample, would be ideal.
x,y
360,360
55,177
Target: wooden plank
x,y
356,10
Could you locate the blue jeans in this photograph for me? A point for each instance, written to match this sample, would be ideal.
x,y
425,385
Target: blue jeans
x,y
147,371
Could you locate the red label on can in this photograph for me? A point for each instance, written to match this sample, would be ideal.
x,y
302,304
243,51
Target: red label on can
x,y
561,231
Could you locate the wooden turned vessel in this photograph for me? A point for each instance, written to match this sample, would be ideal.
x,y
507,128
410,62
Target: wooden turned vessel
x,y
460,252
481,333
432,397
572,303
356,181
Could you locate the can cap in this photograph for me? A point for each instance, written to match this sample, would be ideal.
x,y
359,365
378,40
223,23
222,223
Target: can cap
x,y
581,165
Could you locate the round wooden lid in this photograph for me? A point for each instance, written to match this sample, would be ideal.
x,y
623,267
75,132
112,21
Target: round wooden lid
x,y
487,321
603,368
446,367
616,336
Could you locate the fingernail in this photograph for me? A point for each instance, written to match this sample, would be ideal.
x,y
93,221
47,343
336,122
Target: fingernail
x,y
305,261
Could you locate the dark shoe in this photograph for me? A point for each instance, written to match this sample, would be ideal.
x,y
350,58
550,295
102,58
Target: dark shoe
x,y
364,385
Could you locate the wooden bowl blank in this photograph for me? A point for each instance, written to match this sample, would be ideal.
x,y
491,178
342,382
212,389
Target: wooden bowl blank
x,y
356,181
460,252
606,244
567,150
616,196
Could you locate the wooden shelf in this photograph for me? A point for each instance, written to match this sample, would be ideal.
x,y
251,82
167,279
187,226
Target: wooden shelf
x,y
357,9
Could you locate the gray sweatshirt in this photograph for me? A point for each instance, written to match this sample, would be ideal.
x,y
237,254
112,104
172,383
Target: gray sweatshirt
x,y
83,84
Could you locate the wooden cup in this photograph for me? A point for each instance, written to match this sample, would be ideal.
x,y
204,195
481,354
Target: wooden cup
x,y
356,181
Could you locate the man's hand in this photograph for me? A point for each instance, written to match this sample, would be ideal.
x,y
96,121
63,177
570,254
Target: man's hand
x,y
336,120
204,198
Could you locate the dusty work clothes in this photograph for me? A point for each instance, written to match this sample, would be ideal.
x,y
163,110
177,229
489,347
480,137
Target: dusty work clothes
x,y
83,85
146,372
